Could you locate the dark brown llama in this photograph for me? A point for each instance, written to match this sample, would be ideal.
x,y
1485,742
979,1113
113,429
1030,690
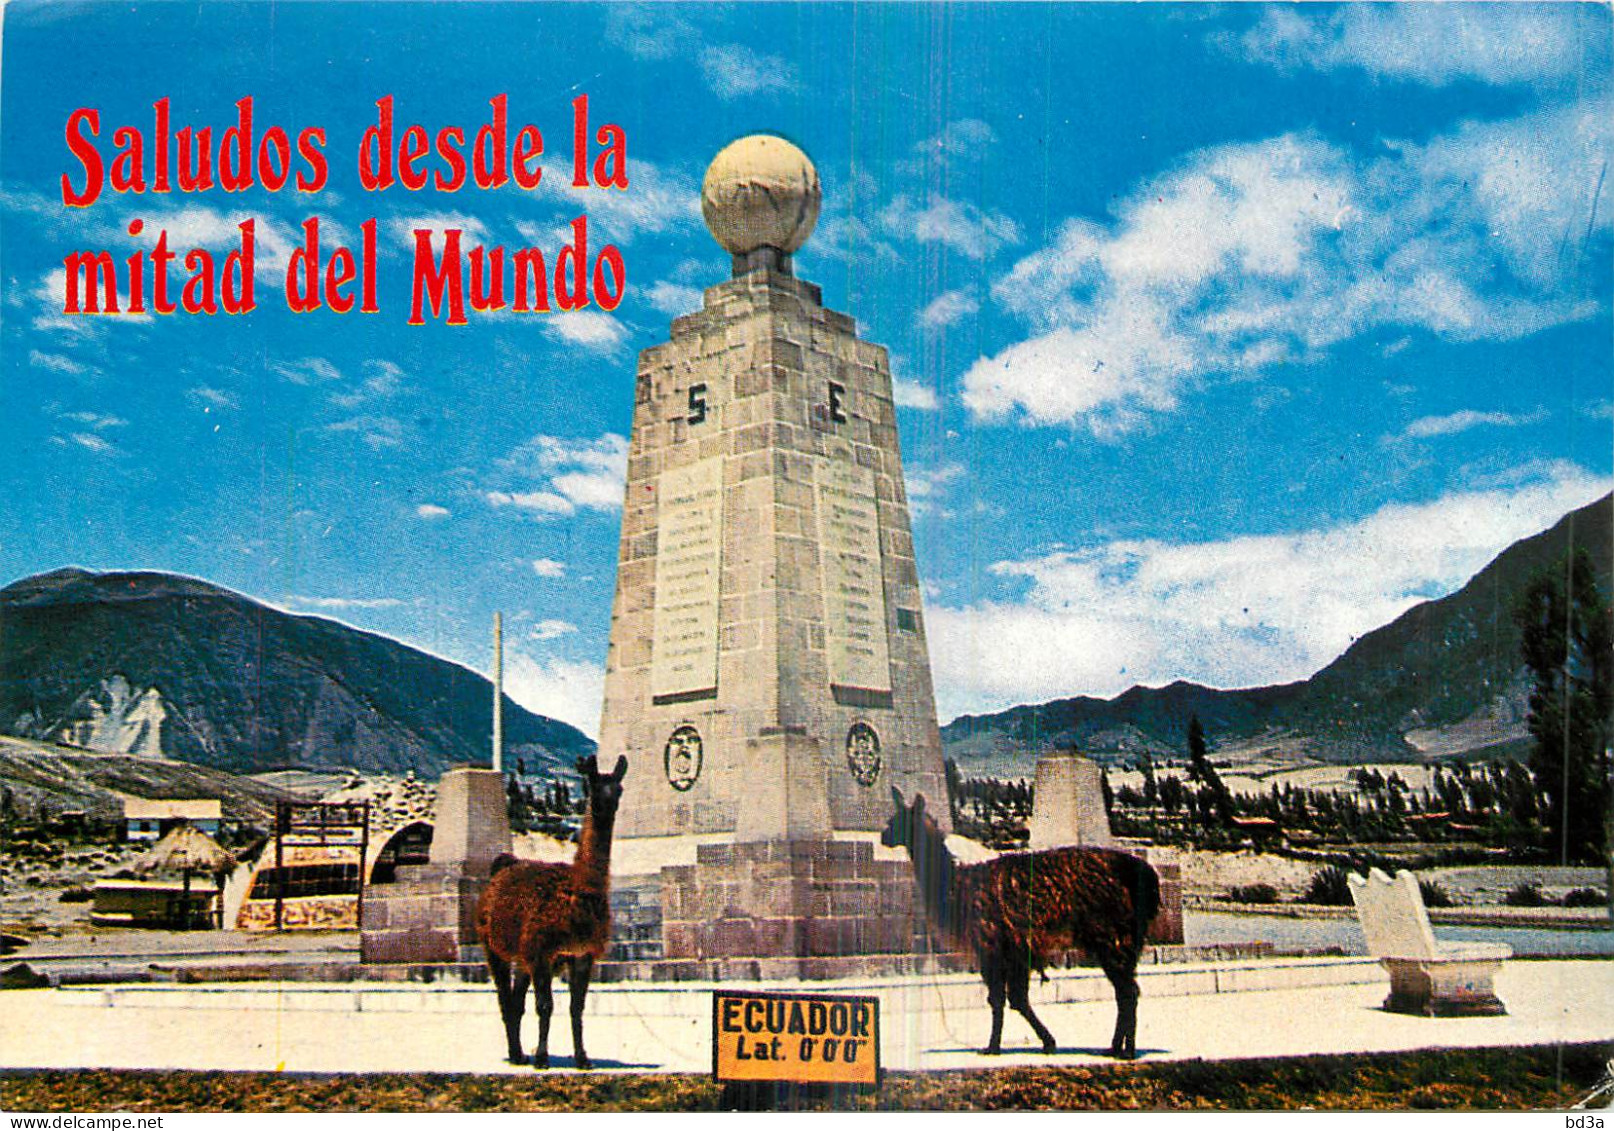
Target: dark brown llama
x,y
1018,911
533,915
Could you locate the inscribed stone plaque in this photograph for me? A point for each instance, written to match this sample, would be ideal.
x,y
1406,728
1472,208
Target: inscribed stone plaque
x,y
688,559
854,590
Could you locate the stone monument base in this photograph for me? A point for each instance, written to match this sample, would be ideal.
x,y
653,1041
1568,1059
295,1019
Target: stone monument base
x,y
790,899
806,899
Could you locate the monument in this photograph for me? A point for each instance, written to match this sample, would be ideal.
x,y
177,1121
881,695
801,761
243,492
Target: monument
x,y
767,638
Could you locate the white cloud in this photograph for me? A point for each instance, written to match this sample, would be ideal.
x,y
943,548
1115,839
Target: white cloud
x,y
94,420
674,298
382,379
431,512
927,488
966,135
1251,255
1433,44
212,398
86,440
550,629
572,475
1426,427
592,330
947,308
375,430
572,692
909,393
733,71
649,31
848,238
1240,612
656,200
56,362
549,567
307,371
542,502
344,602
960,225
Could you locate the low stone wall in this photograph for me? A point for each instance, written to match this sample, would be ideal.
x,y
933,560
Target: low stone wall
x,y
427,915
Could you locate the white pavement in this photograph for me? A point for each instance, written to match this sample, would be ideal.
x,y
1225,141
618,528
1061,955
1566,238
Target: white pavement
x,y
1201,1011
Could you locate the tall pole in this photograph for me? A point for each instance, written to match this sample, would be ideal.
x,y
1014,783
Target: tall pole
x,y
498,692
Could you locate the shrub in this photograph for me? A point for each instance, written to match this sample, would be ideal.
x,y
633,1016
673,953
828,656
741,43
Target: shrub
x,y
1253,893
1433,894
78,894
1585,897
1526,895
1329,887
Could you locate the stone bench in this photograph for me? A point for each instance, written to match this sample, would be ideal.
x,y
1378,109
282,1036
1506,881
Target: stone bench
x,y
1427,978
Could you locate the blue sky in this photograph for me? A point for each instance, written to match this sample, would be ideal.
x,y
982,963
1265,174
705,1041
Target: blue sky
x,y
1222,334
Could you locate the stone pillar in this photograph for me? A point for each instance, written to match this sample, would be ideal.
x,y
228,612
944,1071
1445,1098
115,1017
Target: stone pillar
x,y
427,915
472,823
1068,807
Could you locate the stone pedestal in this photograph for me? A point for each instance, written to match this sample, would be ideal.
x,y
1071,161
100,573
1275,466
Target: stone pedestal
x,y
472,823
428,913
798,899
1069,803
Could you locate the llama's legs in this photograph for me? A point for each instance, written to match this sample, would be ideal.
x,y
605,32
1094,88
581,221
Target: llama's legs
x,y
511,1006
543,996
1124,1043
993,973
582,969
1018,977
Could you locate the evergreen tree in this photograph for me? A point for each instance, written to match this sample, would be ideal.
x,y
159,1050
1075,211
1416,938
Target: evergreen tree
x,y
1567,639
1201,770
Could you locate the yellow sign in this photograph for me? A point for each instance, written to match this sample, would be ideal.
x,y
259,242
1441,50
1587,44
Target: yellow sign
x,y
795,1038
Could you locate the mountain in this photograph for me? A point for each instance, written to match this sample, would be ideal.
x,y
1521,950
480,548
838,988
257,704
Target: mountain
x,y
162,666
1444,679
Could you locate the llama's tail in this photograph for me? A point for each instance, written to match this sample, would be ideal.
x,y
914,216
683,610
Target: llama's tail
x,y
500,862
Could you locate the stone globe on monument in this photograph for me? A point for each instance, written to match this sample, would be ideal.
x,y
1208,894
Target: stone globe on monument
x,y
768,673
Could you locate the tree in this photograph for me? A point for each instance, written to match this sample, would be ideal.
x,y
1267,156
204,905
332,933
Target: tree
x,y
1567,638
1201,770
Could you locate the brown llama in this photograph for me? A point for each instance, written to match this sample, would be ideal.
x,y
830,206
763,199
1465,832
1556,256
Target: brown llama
x,y
533,915
1018,911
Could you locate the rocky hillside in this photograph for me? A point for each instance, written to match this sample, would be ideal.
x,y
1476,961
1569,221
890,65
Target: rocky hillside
x,y
171,667
1442,680
39,782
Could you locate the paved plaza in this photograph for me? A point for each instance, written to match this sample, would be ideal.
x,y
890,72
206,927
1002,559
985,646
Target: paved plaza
x,y
1213,1011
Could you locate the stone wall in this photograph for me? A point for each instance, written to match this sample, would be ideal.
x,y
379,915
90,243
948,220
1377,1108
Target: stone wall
x,y
428,914
790,899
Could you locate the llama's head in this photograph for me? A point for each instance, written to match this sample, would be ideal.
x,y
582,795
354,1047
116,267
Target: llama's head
x,y
906,823
604,791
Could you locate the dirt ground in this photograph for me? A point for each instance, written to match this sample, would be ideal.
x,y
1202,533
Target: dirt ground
x,y
1515,1079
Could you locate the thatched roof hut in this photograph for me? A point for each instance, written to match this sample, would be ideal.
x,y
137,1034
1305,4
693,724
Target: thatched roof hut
x,y
187,850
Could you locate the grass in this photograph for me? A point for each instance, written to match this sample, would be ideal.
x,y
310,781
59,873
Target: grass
x,y
1507,1079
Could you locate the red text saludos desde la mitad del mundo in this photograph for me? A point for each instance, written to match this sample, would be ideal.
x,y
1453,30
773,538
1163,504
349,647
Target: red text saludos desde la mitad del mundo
x,y
450,277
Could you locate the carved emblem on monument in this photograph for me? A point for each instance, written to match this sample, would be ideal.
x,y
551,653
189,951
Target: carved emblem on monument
x,y
682,758
863,753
